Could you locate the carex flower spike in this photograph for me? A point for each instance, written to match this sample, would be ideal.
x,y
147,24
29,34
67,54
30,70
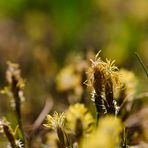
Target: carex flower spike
x,y
103,76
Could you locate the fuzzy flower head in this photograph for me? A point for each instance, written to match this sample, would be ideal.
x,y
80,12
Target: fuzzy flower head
x,y
56,121
78,119
107,134
101,73
103,79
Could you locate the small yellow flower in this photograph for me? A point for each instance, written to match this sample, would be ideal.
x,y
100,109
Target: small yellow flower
x,y
79,119
55,122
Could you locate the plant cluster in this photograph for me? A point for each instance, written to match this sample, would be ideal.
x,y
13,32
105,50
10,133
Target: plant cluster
x,y
107,120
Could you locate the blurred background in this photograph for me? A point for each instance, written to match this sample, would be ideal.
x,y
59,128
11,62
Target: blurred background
x,y
45,35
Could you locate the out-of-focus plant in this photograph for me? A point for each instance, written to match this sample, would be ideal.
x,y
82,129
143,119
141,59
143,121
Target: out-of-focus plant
x,y
114,93
107,135
52,140
67,79
121,118
79,121
10,134
71,79
71,126
14,90
129,84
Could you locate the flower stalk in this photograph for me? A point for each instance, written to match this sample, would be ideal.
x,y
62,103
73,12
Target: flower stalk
x,y
15,91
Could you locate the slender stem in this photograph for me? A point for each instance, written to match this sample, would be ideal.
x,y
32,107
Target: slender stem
x,y
142,64
124,145
15,91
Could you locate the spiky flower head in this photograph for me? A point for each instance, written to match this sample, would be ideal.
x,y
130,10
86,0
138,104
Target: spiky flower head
x,y
78,120
103,78
56,121
107,134
100,73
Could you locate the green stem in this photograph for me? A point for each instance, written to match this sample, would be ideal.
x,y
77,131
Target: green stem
x,y
143,66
